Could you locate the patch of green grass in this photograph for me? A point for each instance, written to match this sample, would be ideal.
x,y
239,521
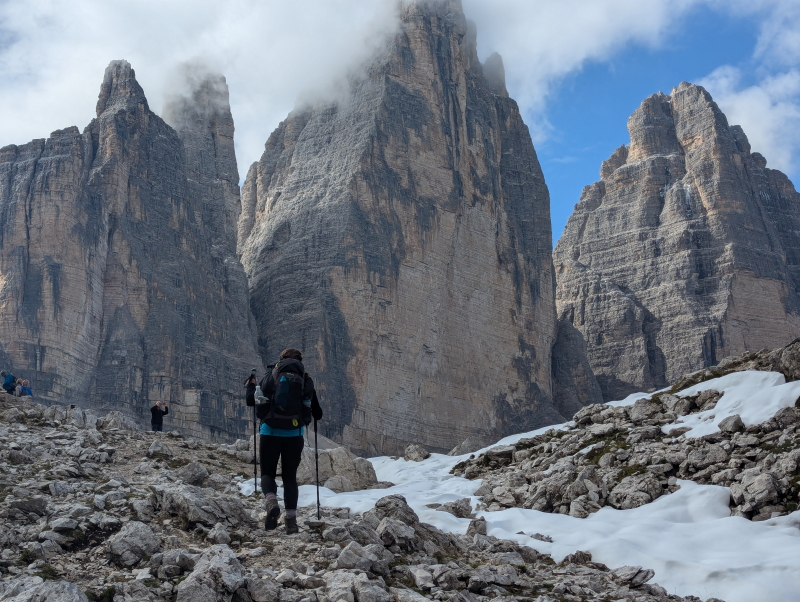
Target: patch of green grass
x,y
444,558
613,442
79,538
178,463
151,583
628,471
779,449
47,572
107,595
26,557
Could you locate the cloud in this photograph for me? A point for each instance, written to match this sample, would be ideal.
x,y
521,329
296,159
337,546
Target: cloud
x,y
779,38
53,55
277,53
764,97
769,112
542,41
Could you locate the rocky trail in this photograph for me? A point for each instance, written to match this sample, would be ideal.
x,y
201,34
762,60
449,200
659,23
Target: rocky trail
x,y
95,509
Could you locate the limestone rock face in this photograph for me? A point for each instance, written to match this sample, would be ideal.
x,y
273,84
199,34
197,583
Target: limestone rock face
x,y
117,286
686,251
401,239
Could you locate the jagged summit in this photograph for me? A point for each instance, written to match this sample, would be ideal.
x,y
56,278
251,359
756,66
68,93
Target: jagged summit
x,y
120,89
113,295
684,252
402,240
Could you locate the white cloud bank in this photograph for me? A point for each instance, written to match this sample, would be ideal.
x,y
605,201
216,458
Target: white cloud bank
x,y
769,112
53,53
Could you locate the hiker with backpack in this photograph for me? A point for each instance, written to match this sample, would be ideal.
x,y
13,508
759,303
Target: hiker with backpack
x,y
9,382
285,401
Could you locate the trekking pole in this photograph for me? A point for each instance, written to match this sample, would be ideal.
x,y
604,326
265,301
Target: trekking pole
x,y
255,455
316,461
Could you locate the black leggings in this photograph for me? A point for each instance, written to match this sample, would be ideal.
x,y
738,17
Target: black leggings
x,y
290,450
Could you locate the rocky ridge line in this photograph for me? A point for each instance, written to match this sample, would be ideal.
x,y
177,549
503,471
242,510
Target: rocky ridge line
x,y
621,457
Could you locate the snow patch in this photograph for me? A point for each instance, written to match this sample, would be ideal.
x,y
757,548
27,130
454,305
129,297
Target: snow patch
x,y
755,396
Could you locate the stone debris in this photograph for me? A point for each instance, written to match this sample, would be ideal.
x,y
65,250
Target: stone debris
x,y
620,457
75,529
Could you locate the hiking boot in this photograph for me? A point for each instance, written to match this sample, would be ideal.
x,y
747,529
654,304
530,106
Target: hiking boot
x,y
273,512
291,525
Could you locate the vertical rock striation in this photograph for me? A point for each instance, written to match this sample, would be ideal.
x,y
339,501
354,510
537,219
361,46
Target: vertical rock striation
x,y
401,238
686,250
120,283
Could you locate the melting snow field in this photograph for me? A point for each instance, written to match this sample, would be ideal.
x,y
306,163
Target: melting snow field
x,y
688,537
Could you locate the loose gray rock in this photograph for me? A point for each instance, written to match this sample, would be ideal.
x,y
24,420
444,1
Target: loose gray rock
x,y
732,424
134,541
219,534
415,453
193,473
159,449
216,575
34,589
203,506
460,508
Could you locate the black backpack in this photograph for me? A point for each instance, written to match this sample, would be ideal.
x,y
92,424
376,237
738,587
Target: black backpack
x,y
288,409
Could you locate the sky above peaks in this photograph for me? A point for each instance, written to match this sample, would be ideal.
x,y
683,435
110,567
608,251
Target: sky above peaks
x,y
578,68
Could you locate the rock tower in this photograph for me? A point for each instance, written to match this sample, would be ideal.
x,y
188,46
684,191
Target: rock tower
x,y
401,238
120,283
685,252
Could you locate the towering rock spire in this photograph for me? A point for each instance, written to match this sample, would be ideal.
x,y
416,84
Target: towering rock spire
x,y
686,251
113,292
119,89
402,240
200,112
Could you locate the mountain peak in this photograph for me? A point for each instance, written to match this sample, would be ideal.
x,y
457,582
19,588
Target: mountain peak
x,y
120,88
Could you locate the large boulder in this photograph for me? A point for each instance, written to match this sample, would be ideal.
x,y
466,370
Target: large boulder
x,y
200,505
634,491
193,473
356,473
35,589
131,543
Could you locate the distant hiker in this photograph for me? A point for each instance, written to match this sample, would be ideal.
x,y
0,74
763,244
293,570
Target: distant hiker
x,y
286,401
158,411
26,389
9,382
18,388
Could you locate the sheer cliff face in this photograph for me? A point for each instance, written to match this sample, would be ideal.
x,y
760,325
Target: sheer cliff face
x,y
402,240
112,289
686,251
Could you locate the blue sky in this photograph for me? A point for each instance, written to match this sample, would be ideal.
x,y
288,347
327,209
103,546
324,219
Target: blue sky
x,y
589,109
